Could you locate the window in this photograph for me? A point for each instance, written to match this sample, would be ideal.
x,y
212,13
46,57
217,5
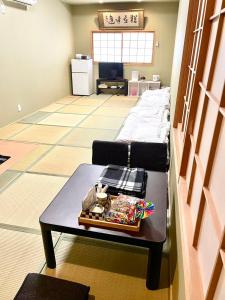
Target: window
x,y
126,47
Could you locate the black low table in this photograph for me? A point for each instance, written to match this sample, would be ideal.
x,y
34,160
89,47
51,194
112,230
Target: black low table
x,y
62,216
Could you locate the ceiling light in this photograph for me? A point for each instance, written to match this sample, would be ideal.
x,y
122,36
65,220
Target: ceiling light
x,y
100,1
139,0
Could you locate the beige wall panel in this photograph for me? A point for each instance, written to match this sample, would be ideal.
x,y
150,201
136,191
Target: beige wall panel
x,y
196,195
35,51
216,184
210,51
219,73
220,290
208,130
208,246
160,17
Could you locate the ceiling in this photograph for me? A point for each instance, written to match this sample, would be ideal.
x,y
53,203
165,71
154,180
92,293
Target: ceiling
x,y
76,2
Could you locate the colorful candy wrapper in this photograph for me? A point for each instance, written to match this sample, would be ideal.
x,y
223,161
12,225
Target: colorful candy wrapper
x,y
144,209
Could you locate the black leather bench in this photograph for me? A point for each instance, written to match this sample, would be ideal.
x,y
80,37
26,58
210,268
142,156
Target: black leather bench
x,y
42,287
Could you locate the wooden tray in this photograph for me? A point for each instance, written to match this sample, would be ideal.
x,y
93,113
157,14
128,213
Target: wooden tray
x,y
100,222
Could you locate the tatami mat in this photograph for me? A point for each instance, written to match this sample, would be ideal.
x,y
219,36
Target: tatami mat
x,y
68,99
62,160
22,203
84,137
35,118
77,109
42,134
122,97
100,96
102,122
52,107
16,151
89,101
112,111
21,253
30,158
113,271
119,103
10,130
7,177
59,119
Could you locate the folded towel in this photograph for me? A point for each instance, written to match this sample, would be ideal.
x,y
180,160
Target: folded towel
x,y
130,181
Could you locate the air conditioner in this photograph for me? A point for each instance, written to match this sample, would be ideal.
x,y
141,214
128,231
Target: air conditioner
x,y
26,2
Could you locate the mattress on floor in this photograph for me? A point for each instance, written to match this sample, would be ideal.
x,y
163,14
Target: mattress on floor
x,y
148,120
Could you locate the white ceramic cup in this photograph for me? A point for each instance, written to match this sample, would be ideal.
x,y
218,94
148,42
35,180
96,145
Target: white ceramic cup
x,y
102,198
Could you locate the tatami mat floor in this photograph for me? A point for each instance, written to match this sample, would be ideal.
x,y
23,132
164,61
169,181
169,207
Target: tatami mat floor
x,y
61,135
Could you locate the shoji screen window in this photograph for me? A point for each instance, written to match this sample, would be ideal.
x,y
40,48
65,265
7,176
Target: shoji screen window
x,y
137,47
126,47
107,46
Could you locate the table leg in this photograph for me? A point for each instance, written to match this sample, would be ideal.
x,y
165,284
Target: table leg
x,y
154,266
48,247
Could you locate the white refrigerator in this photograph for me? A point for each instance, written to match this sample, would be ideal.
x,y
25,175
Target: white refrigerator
x,y
82,76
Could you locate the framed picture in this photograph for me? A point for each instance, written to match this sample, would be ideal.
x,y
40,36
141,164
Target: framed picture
x,y
121,19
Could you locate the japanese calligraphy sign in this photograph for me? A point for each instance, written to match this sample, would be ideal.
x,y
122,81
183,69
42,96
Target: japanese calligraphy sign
x,y
121,19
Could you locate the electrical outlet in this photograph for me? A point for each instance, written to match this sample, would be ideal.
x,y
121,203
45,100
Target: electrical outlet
x,y
19,107
2,8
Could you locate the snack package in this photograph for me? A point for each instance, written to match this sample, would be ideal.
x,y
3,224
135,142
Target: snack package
x,y
127,210
123,210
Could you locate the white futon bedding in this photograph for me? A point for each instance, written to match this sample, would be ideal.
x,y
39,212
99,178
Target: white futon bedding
x,y
148,120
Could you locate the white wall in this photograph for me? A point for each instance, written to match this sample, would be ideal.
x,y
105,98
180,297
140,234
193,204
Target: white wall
x,y
35,49
159,17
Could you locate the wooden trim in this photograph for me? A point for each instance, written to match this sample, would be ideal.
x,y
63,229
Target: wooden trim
x,y
213,148
215,53
199,220
193,284
191,18
220,263
200,167
213,212
214,278
198,29
222,254
190,144
203,87
184,155
222,102
222,111
192,69
218,14
190,187
201,125
215,16
211,97
201,64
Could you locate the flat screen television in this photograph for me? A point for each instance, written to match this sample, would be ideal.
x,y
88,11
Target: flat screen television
x,y
110,71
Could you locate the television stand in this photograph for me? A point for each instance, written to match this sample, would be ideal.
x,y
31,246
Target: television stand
x,y
112,86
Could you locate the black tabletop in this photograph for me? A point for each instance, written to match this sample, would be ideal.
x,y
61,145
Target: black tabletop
x,y
62,213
